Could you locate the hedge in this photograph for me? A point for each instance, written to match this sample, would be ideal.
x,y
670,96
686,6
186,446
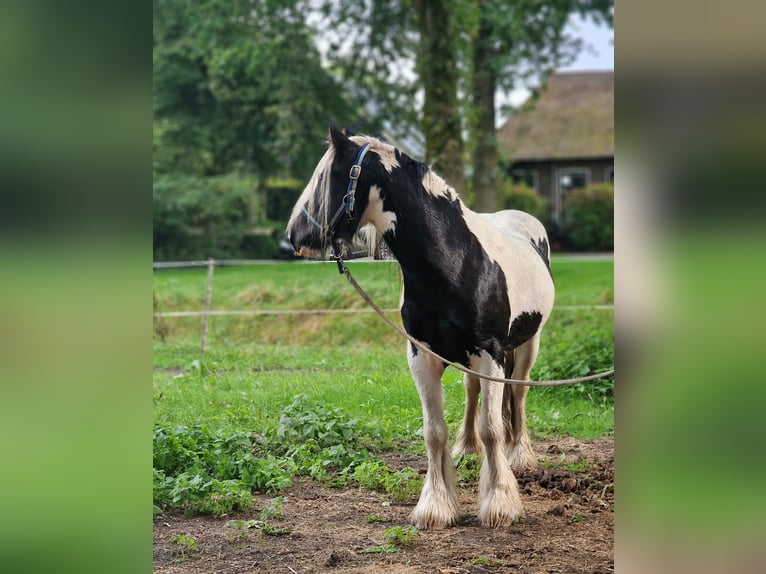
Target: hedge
x,y
223,217
588,219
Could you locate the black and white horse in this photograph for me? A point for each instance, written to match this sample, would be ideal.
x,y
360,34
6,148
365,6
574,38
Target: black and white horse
x,y
477,291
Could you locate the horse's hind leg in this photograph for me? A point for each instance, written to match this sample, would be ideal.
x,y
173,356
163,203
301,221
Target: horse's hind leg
x,y
438,504
519,448
468,438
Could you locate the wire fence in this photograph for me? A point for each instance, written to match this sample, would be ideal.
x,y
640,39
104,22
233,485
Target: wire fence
x,y
207,312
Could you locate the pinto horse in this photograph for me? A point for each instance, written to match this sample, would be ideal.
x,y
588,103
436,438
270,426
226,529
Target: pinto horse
x,y
477,291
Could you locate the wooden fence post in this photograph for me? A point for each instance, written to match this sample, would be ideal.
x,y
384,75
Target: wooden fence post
x,y
206,308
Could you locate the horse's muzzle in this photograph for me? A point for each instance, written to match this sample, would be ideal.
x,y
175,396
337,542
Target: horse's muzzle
x,y
303,236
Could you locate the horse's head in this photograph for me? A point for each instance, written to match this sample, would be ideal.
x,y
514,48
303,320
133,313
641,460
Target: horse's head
x,y
328,212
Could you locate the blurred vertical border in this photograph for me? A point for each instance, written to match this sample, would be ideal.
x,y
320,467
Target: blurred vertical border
x,y
690,283
75,295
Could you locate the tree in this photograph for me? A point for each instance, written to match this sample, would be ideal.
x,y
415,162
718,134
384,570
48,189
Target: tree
x,y
438,72
239,87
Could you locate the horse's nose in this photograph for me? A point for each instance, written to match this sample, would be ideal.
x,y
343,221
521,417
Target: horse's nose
x,y
298,237
294,239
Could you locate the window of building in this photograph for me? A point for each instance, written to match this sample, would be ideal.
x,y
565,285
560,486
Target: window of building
x,y
573,178
527,177
610,175
568,179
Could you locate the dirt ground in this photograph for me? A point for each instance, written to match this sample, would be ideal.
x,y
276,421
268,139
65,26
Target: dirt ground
x,y
568,527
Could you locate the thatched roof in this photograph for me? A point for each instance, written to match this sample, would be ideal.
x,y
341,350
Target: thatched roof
x,y
573,117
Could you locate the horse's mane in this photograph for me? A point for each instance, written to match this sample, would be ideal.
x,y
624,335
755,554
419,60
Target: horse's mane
x,y
317,191
387,155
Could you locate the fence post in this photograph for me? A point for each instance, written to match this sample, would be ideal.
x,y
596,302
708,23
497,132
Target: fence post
x,y
206,308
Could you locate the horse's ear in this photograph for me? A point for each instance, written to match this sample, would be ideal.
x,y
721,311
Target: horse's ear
x,y
338,139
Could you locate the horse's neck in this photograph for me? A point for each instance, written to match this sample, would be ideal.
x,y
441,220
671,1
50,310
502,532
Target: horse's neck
x,y
426,235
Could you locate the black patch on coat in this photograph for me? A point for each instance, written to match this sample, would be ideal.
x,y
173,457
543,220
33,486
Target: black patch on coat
x,y
523,328
455,296
541,246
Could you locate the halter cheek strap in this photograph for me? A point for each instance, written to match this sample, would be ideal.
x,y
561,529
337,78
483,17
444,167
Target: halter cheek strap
x,y
353,178
349,199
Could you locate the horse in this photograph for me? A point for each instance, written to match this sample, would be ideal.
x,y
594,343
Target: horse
x,y
477,290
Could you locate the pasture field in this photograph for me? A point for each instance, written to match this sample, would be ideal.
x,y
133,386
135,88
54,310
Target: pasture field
x,y
283,399
254,366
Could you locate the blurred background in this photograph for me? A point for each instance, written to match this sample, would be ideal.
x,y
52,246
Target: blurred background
x,y
511,102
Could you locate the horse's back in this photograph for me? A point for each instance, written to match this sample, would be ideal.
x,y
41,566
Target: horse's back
x,y
516,224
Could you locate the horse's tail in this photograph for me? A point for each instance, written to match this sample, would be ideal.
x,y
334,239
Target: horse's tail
x,y
507,405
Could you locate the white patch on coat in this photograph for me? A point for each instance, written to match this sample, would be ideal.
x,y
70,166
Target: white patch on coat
x,y
435,185
386,152
374,213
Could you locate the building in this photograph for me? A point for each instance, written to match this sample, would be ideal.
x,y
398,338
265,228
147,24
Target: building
x,y
563,139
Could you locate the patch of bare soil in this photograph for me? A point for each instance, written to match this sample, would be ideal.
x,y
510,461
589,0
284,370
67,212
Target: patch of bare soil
x,y
569,503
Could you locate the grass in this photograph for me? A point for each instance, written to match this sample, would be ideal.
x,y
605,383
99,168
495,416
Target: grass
x,y
254,366
349,373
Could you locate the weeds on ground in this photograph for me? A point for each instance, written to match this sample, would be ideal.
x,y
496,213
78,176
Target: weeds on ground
x,y
186,544
212,473
205,472
242,527
274,510
397,537
468,468
401,485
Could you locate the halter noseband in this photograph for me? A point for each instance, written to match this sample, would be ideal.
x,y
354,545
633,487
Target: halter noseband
x,y
350,198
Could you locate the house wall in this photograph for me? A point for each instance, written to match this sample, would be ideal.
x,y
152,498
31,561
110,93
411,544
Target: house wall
x,y
552,179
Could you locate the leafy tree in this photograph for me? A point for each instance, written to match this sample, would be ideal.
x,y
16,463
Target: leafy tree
x,y
439,75
390,52
240,98
239,86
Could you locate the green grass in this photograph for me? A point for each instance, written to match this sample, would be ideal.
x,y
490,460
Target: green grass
x,y
581,282
255,365
349,370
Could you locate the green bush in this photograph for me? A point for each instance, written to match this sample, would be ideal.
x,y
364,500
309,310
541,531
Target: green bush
x,y
212,472
208,472
588,219
524,198
201,217
321,440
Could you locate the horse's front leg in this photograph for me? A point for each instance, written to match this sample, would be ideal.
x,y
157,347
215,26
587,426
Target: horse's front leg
x,y
438,505
499,500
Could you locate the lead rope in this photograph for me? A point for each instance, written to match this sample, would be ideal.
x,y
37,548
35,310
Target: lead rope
x,y
343,270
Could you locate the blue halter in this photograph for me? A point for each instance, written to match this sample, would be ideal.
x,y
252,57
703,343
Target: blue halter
x,y
350,198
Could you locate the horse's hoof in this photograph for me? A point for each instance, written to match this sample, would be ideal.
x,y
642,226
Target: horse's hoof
x,y
521,461
433,517
500,508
